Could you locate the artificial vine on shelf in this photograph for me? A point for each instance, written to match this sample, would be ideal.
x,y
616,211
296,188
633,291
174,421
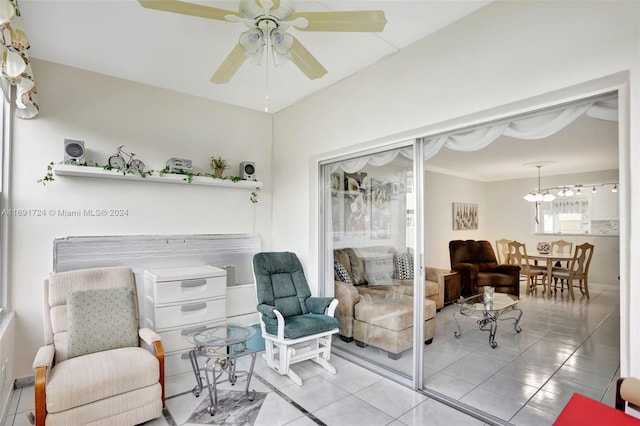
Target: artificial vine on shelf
x,y
48,177
254,195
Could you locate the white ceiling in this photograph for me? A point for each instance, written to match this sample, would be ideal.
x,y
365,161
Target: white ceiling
x,y
178,52
120,38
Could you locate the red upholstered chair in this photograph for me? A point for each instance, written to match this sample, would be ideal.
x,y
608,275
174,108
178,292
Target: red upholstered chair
x,y
584,411
478,267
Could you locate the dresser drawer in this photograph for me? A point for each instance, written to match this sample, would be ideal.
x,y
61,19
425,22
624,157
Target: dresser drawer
x,y
177,363
185,290
176,340
185,314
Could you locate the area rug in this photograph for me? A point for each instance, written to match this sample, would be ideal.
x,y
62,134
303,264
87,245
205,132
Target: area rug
x,y
234,409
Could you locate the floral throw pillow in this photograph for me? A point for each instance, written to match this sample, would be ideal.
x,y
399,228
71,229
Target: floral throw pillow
x,y
403,266
342,272
99,320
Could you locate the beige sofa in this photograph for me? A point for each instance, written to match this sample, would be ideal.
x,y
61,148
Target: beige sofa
x,y
376,306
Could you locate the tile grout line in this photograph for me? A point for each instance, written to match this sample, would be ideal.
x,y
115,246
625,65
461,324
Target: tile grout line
x,y
563,363
284,396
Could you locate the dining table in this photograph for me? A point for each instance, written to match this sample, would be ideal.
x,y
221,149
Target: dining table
x,y
551,259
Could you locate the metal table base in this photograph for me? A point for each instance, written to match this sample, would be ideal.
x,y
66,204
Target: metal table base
x,y
222,346
216,367
489,322
487,313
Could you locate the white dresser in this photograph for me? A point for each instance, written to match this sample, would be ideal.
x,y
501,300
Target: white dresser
x,y
178,301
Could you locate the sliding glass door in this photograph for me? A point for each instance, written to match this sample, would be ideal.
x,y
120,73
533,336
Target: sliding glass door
x,y
369,247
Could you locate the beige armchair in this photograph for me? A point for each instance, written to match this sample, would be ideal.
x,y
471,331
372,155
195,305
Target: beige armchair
x,y
627,393
97,365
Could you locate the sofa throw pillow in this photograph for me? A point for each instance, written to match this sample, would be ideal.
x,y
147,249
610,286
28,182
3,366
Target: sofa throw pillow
x,y
357,267
403,266
342,258
342,273
99,320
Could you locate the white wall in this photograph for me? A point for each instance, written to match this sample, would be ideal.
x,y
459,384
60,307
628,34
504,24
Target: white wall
x,y
503,213
439,193
504,53
157,125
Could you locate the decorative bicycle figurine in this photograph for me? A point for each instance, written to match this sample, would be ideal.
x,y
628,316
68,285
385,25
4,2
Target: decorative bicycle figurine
x,y
118,161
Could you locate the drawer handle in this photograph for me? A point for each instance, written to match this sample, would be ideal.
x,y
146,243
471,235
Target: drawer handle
x,y
184,355
193,307
188,331
194,283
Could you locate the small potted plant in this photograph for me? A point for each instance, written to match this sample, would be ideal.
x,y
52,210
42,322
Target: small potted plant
x,y
218,164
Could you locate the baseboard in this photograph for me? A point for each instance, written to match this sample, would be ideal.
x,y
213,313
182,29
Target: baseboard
x,y
24,382
5,409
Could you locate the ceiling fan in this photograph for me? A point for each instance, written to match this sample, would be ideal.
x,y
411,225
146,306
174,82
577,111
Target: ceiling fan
x,y
268,22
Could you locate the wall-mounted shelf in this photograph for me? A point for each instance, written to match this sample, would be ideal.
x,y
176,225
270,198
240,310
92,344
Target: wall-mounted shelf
x,y
99,172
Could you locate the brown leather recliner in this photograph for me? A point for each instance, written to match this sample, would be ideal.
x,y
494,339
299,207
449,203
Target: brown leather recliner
x,y
477,265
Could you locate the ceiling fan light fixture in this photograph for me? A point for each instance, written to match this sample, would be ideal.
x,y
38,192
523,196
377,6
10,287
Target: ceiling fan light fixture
x,y
252,41
281,42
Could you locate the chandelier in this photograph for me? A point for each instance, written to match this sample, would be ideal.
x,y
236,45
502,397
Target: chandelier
x,y
540,195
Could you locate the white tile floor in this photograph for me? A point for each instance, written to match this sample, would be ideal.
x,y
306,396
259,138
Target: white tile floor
x,y
353,396
565,346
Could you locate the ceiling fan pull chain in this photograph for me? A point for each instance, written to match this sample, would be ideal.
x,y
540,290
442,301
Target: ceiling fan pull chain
x,y
267,41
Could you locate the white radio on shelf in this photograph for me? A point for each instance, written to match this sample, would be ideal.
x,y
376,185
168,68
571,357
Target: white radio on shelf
x,y
179,301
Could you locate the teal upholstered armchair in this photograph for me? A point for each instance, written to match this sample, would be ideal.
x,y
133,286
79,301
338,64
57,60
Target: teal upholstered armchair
x,y
295,325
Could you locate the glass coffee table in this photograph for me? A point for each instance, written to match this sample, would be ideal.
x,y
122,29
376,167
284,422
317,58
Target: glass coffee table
x,y
488,312
221,346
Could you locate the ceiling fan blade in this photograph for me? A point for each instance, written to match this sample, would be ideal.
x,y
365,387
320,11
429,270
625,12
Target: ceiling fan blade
x,y
304,60
186,8
230,65
355,21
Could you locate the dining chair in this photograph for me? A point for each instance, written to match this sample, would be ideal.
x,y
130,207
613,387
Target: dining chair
x,y
578,269
560,247
518,256
502,250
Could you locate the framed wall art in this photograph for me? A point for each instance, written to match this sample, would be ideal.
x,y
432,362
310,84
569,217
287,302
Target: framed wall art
x,y
465,216
357,205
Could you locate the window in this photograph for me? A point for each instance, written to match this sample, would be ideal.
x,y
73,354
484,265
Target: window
x,y
566,216
5,123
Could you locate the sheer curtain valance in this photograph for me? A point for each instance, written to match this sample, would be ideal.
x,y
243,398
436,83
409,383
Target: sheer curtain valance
x,y
571,206
354,165
16,66
536,126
